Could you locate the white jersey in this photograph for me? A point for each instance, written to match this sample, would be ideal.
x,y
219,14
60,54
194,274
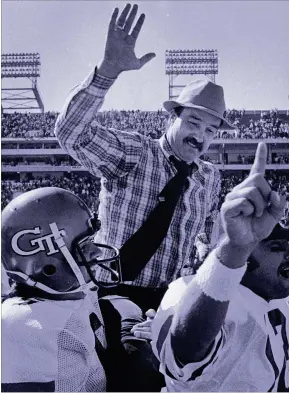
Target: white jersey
x,y
250,353
49,345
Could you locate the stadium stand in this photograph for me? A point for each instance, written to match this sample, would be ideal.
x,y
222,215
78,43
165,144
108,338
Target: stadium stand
x,y
32,157
250,124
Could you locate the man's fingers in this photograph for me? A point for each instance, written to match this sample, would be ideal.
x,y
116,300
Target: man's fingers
x,y
141,329
151,313
253,195
141,325
138,26
277,205
260,161
144,335
113,19
258,181
236,207
123,15
130,19
146,58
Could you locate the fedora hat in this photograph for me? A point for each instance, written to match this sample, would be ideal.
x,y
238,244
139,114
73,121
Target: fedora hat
x,y
204,95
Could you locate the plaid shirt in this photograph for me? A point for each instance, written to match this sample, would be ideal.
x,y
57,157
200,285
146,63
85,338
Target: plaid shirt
x,y
134,169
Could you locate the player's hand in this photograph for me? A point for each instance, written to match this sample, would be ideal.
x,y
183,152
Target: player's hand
x,y
143,329
120,44
252,209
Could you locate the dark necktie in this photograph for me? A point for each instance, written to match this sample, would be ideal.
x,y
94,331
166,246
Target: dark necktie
x,y
142,245
277,318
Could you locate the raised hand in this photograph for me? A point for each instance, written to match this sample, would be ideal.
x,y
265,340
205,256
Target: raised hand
x,y
119,52
252,209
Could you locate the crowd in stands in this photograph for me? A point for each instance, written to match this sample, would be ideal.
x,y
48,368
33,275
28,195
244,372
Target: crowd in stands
x,y
269,125
30,125
88,187
39,161
276,158
281,159
266,125
21,125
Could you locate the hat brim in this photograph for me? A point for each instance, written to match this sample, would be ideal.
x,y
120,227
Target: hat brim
x,y
225,125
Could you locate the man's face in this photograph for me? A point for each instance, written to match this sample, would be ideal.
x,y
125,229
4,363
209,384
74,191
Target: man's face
x,y
271,277
191,133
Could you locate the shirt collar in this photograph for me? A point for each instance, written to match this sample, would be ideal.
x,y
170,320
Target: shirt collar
x,y
258,307
167,150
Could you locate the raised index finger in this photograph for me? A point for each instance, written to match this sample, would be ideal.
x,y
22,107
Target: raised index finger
x,y
260,161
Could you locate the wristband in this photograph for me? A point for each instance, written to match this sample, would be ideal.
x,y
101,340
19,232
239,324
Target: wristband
x,y
218,281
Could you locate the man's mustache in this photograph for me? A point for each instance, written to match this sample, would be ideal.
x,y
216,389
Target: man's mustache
x,y
199,145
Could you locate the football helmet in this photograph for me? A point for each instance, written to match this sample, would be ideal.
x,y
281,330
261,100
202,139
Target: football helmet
x,y
47,243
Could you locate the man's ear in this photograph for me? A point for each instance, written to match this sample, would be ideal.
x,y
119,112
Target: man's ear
x,y
171,119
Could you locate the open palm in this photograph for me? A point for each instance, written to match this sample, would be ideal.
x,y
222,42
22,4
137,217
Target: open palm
x,y
120,45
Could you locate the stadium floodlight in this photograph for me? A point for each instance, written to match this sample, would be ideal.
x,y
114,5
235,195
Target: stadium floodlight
x,y
21,65
190,62
194,60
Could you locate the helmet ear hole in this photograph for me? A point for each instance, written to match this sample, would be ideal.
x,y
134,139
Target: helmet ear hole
x,y
49,270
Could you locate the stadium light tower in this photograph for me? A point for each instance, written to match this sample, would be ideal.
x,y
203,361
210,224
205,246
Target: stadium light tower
x,y
21,65
189,62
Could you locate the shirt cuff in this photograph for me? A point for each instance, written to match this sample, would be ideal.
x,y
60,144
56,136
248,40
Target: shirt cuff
x,y
100,81
94,84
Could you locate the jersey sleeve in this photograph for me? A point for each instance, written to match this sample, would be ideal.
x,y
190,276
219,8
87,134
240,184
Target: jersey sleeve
x,y
170,366
79,367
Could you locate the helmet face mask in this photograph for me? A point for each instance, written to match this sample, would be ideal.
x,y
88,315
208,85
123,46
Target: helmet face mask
x,y
96,256
47,242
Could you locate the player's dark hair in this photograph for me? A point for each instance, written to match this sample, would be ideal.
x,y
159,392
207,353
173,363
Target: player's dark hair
x,y
253,264
23,291
178,111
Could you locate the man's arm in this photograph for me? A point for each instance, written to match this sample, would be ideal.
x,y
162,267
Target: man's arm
x,y
247,219
102,151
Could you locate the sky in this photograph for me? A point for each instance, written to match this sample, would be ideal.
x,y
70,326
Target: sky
x,y
251,38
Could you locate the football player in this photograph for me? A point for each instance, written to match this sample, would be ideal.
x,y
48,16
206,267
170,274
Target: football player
x,y
53,331
227,327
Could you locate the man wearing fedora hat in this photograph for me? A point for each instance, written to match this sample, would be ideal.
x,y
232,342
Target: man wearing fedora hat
x,y
157,196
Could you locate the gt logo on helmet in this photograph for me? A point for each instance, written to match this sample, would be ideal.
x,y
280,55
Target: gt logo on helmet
x,y
43,243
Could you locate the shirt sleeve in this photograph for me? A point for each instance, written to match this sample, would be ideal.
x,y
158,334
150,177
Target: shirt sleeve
x,y
204,238
102,151
122,312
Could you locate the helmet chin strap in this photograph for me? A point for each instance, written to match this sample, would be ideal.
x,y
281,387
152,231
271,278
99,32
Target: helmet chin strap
x,y
65,252
32,283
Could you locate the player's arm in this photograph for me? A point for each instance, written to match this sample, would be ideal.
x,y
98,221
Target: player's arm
x,y
247,219
104,152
